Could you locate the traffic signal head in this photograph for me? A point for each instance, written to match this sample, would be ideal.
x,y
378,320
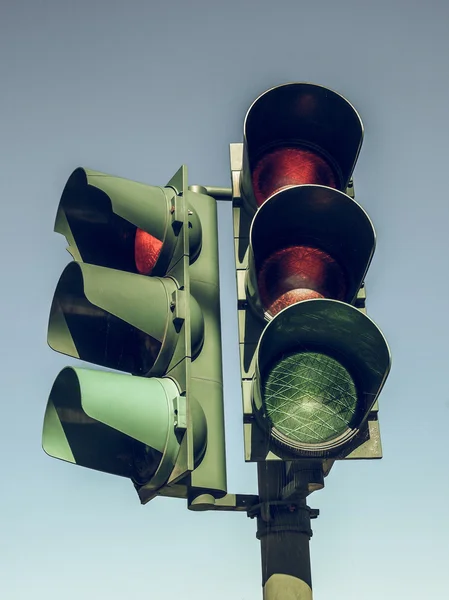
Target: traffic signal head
x,y
121,224
320,365
307,242
104,316
295,134
141,297
129,426
312,362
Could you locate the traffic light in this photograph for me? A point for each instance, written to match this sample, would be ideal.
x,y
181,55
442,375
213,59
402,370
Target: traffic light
x,y
142,297
312,362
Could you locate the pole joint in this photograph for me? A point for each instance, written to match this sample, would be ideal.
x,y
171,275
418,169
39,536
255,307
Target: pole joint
x,y
275,518
267,511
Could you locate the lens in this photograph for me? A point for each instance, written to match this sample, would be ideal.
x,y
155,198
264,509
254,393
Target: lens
x,y
145,461
284,167
309,397
147,249
299,273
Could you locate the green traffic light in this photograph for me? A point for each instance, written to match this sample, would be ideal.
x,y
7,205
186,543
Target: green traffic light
x,y
310,397
320,365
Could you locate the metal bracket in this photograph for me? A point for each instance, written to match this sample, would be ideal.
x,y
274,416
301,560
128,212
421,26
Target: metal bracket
x,y
229,503
265,510
180,405
178,307
280,517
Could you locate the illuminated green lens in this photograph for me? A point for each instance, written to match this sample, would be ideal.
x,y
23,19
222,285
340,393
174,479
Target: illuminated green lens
x,y
310,397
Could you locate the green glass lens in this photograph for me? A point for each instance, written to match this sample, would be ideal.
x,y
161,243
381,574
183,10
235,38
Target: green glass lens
x,y
309,397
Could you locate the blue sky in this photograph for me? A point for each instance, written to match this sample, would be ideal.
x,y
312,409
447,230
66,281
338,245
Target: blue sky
x,y
136,89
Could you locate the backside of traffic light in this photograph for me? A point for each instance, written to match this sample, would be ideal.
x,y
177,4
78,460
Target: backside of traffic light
x,y
312,362
141,297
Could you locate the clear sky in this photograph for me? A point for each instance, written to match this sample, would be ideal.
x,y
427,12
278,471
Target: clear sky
x,y
136,89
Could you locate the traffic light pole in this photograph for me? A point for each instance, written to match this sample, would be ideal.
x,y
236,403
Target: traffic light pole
x,y
284,531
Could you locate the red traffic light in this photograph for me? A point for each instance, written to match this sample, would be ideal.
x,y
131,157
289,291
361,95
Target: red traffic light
x,y
298,273
307,241
296,134
147,249
286,166
121,224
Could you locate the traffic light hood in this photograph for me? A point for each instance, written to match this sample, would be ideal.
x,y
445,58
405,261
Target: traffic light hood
x,y
100,214
311,217
118,424
118,320
302,115
326,328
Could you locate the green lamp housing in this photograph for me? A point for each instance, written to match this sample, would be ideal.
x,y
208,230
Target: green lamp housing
x,y
320,366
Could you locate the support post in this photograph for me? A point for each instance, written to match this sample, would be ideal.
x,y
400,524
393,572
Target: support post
x,y
284,531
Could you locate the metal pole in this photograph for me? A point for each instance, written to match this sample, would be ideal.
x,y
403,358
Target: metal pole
x,y
283,528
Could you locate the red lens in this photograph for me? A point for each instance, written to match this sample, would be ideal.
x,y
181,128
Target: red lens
x,y
299,273
147,249
283,167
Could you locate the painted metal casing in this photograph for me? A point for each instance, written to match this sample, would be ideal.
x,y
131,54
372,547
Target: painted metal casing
x,y
164,427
